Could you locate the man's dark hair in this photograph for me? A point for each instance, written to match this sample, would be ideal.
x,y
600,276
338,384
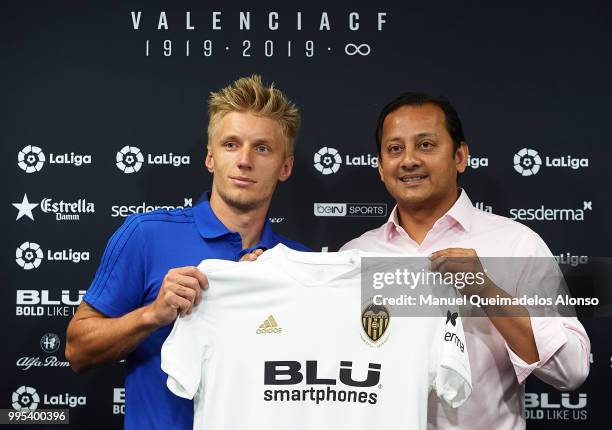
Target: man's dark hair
x,y
452,121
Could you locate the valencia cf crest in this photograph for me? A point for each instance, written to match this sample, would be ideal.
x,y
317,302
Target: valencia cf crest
x,y
375,321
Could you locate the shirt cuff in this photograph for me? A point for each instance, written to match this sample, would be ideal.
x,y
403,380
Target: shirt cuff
x,y
549,336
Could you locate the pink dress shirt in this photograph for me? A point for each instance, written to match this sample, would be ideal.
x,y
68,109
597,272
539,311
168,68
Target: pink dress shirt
x,y
498,374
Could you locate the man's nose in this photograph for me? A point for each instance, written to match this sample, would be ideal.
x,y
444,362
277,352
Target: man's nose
x,y
410,160
245,158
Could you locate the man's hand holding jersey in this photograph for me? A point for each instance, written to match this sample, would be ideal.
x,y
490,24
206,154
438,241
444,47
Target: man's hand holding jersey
x,y
181,290
512,322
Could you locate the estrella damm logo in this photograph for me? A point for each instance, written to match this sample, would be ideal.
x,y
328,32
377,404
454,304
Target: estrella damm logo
x,y
375,321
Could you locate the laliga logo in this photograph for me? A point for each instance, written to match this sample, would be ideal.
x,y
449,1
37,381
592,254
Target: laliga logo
x,y
25,399
327,160
129,159
31,159
527,162
29,255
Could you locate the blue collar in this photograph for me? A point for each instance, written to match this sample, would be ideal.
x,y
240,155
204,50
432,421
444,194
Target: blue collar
x,y
211,227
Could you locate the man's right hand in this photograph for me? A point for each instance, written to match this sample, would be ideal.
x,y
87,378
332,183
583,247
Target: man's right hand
x,y
180,291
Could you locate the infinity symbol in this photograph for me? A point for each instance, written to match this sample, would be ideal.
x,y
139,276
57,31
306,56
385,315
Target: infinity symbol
x,y
352,49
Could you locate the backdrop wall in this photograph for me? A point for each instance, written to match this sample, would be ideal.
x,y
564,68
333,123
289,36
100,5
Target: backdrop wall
x,y
104,114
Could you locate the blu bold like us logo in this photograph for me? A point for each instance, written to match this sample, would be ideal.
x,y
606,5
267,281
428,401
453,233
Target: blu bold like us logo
x,y
556,406
130,159
32,159
290,373
38,303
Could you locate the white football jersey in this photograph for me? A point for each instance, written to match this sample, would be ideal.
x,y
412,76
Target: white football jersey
x,y
286,343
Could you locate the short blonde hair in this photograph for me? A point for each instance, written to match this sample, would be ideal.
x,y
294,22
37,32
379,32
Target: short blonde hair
x,y
253,96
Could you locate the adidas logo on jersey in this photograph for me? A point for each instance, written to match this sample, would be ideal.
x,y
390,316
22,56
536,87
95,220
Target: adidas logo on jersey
x,y
269,326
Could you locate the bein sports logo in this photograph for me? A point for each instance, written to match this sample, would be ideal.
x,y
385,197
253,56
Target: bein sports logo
x,y
129,159
31,159
29,255
527,162
327,160
25,399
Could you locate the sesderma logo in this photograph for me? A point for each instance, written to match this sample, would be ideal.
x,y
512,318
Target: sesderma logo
x,y
130,159
549,214
350,209
123,211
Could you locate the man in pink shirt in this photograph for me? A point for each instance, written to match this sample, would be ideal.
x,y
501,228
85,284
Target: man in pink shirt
x,y
421,150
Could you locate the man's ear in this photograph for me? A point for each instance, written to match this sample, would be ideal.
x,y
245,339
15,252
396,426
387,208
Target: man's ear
x,y
461,157
286,169
209,162
380,170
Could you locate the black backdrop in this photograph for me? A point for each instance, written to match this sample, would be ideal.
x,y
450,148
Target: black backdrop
x,y
78,85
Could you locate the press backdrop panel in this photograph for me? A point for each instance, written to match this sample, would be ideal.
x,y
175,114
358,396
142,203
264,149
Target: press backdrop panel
x,y
104,114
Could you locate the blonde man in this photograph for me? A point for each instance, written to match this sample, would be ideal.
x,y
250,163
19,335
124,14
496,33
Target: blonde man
x,y
147,276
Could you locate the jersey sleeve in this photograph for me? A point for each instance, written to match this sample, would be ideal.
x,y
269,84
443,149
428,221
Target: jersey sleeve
x,y
184,351
190,341
450,374
118,286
